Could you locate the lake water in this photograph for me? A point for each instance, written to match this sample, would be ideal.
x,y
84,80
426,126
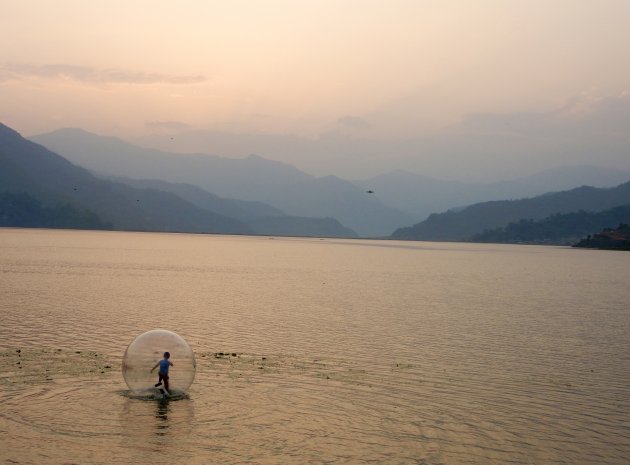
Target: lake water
x,y
335,351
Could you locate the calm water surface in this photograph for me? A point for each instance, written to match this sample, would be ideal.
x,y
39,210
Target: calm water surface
x,y
337,351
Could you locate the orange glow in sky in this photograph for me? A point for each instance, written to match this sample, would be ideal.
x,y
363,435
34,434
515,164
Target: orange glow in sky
x,y
297,66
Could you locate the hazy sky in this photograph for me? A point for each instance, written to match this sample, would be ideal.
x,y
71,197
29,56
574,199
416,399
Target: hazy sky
x,y
387,69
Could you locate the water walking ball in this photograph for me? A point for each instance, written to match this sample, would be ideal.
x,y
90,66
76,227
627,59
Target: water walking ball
x,y
146,350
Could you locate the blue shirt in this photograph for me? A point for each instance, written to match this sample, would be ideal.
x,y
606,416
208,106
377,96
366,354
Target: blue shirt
x,y
164,364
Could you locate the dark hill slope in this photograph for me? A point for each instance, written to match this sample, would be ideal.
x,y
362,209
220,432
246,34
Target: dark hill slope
x,y
31,168
608,239
23,211
465,223
560,228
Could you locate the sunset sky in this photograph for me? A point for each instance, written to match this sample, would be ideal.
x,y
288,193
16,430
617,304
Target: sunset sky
x,y
376,69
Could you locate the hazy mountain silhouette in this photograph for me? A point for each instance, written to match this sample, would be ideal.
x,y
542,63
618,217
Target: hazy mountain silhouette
x,y
463,224
240,209
51,179
420,196
261,218
480,146
252,179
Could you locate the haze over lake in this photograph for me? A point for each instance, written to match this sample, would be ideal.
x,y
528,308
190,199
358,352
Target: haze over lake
x,y
314,350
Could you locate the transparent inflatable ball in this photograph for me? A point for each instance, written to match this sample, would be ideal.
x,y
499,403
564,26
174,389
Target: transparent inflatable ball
x,y
148,349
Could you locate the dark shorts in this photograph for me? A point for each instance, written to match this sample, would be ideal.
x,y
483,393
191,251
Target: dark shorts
x,y
163,376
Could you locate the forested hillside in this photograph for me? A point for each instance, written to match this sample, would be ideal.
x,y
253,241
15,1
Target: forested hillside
x,y
463,224
22,210
564,228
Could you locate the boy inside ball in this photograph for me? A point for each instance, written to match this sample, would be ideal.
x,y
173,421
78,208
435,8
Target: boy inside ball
x,y
164,365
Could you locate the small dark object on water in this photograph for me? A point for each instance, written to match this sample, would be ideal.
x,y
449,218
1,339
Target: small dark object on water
x,y
78,352
264,358
233,354
19,350
107,366
18,363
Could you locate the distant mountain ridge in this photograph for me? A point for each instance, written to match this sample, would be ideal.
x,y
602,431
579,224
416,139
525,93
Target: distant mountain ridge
x,y
482,146
38,188
51,179
399,198
240,209
262,218
465,223
252,178
279,189
420,196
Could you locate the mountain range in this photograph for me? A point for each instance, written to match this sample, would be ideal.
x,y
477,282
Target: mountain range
x,y
252,179
400,197
51,182
419,195
462,224
51,179
478,146
253,195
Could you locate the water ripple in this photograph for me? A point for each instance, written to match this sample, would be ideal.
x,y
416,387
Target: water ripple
x,y
314,351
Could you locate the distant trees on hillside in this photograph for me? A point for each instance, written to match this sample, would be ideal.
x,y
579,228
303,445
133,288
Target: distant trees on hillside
x,y
22,210
481,218
608,239
563,228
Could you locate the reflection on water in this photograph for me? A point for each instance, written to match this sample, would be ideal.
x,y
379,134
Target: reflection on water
x,y
161,414
314,351
157,425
